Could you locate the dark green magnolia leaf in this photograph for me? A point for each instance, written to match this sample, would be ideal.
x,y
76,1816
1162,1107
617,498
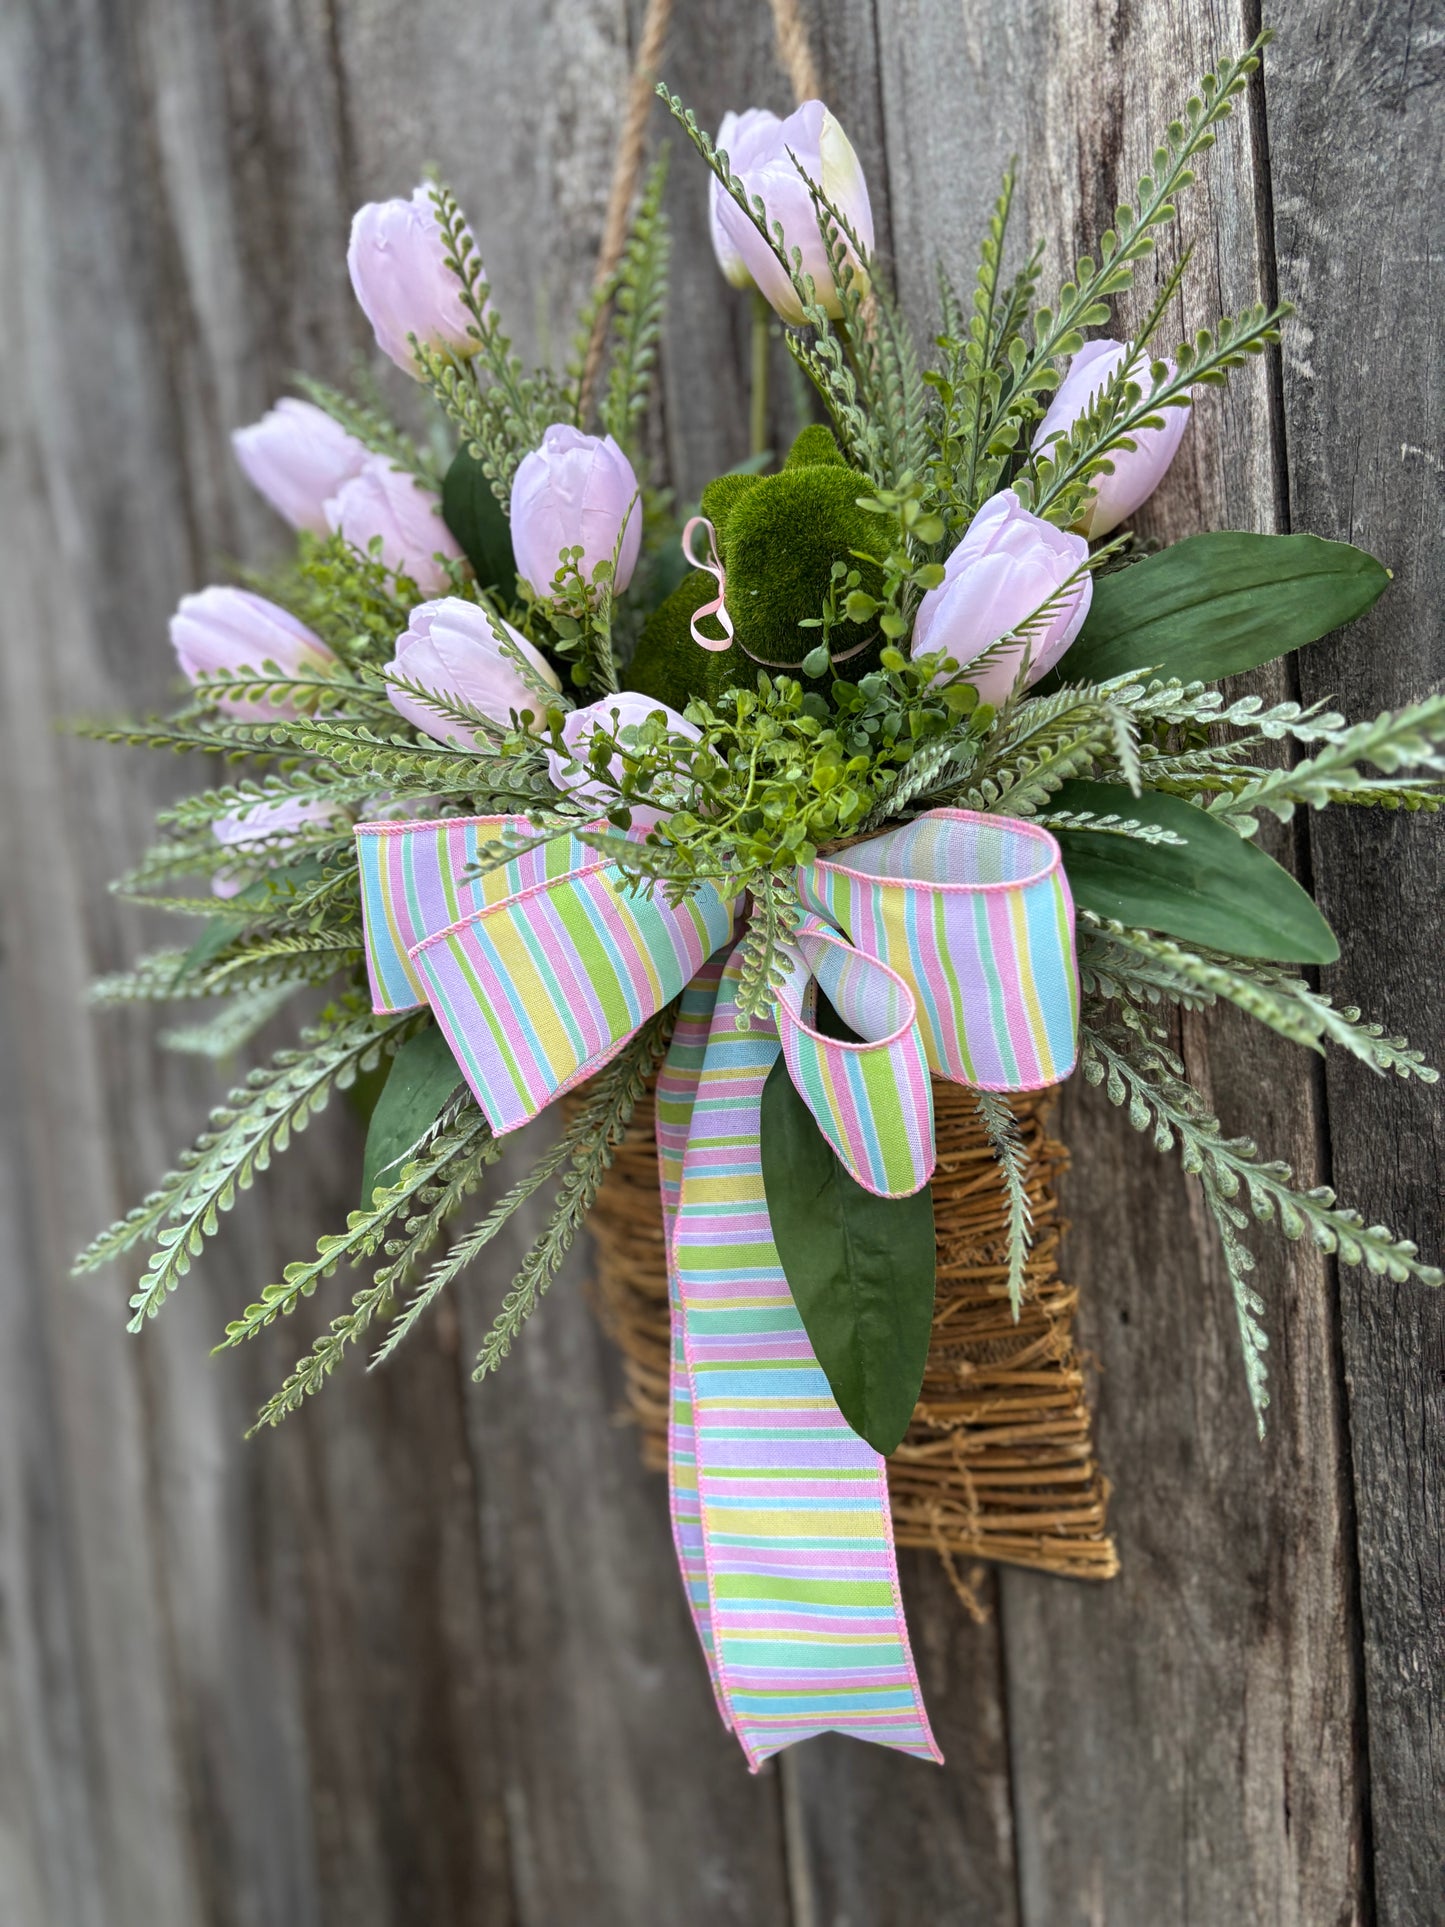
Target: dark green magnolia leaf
x,y
423,1076
860,1268
1217,890
1214,605
476,518
234,913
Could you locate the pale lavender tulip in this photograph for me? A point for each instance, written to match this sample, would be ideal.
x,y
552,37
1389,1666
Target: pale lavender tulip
x,y
1137,471
574,492
746,139
298,457
233,629
451,648
766,168
1007,567
397,260
272,825
386,501
614,714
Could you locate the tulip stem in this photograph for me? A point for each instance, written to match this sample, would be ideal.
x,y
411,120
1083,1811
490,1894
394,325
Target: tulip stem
x,y
762,340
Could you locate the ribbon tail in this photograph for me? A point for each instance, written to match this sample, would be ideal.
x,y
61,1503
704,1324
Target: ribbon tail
x,y
677,1087
797,1599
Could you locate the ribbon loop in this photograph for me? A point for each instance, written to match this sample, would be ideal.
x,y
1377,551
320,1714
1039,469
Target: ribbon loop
x,y
872,1099
712,566
974,913
545,978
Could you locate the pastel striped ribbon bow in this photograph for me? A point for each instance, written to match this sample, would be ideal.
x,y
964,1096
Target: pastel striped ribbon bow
x,y
947,947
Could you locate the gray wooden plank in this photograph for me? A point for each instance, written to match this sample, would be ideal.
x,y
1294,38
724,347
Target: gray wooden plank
x,y
627,1801
1356,170
720,58
880,1841
263,1666
1183,1739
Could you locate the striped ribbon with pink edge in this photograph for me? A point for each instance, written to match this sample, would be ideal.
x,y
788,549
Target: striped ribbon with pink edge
x,y
947,947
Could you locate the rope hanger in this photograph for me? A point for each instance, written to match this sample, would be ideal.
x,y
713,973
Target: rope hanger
x,y
795,55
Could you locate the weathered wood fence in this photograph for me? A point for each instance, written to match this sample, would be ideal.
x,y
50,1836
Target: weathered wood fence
x,y
422,1657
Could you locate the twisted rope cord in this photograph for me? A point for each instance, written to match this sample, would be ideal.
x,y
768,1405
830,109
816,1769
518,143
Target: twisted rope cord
x,y
795,55
795,51
625,171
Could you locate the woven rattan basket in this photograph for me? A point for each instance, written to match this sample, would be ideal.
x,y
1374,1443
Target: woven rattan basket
x,y
998,1462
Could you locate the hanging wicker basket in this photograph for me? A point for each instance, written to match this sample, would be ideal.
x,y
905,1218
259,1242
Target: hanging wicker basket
x,y
998,1462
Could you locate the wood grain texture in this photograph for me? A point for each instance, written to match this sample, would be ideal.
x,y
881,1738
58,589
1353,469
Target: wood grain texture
x,y
422,1656
1183,1741
1357,178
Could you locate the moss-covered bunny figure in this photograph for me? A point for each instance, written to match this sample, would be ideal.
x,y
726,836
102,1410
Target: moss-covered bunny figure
x,y
777,537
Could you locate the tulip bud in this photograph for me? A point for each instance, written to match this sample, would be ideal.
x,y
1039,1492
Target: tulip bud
x,y
451,648
268,824
743,138
397,260
234,630
614,714
387,501
1138,471
1008,565
298,457
766,168
574,492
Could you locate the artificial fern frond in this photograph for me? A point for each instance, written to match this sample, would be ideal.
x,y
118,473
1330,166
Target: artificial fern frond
x,y
371,428
1398,739
1082,303
1109,824
431,1187
233,1026
1139,1072
612,1098
1277,998
150,979
639,309
1059,479
762,968
1008,1146
256,1120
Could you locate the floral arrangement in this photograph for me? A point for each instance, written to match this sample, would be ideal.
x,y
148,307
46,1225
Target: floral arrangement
x,y
896,758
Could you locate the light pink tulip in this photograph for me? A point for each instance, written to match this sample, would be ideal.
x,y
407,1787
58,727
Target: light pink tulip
x,y
298,457
766,168
268,824
1007,566
574,491
397,260
450,647
386,501
615,714
1137,471
235,630
746,139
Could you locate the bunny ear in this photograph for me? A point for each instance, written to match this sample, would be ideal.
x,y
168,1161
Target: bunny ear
x,y
713,567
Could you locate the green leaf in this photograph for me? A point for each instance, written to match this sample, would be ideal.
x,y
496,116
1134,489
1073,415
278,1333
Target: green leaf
x,y
475,517
860,1268
423,1076
234,913
1216,890
1214,605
